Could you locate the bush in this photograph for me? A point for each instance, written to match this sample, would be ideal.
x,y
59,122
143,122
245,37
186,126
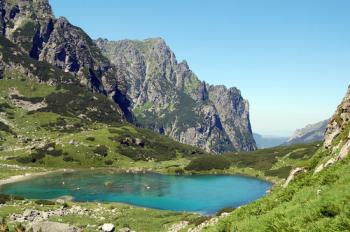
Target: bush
x,y
68,158
330,210
225,210
101,151
109,162
199,220
210,162
44,202
91,139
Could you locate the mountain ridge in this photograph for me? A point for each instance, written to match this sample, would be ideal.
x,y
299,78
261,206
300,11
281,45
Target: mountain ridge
x,y
309,133
188,110
165,92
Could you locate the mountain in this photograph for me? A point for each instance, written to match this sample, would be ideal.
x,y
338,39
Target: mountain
x,y
62,102
263,141
31,25
308,134
315,196
168,97
150,88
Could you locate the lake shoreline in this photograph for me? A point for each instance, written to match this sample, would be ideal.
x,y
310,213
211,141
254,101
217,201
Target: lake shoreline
x,y
27,176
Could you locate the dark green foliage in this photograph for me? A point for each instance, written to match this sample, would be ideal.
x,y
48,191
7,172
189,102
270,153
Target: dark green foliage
x,y
264,159
44,202
4,127
4,107
5,198
225,210
24,35
101,151
42,69
330,210
63,126
33,100
109,162
146,145
68,158
208,163
282,172
179,171
183,113
91,139
40,153
199,220
71,104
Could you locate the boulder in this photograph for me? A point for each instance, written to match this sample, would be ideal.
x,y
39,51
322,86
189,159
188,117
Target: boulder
x,y
108,227
54,227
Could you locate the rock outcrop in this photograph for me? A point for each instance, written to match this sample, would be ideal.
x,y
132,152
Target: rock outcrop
x,y
292,175
310,133
167,97
31,25
337,136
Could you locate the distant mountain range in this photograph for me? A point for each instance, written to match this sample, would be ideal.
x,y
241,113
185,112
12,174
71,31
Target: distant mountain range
x,y
308,134
263,141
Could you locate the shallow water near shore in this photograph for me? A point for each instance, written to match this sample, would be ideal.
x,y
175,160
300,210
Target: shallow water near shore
x,y
205,194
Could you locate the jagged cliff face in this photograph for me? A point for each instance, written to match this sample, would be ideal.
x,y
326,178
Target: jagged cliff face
x,y
339,124
31,25
337,136
142,76
168,97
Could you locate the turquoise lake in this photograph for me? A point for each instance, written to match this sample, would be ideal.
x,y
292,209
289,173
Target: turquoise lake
x,y
205,194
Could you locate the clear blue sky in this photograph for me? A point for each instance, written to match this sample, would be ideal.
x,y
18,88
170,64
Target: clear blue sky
x,y
290,58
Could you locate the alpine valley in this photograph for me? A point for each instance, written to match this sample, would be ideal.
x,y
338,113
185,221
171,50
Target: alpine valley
x,y
99,135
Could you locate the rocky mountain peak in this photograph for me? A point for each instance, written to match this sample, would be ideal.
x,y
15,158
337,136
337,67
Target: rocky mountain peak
x,y
168,97
31,25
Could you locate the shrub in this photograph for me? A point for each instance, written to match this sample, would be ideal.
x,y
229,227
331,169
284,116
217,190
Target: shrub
x,y
330,210
109,162
101,151
210,162
44,202
68,158
199,220
91,139
225,210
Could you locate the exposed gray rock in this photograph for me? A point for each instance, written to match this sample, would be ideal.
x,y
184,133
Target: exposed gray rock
x,y
167,97
337,148
53,227
108,227
292,175
310,133
31,25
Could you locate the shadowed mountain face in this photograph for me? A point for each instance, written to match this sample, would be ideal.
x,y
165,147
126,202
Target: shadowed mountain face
x,y
144,78
31,25
167,96
308,134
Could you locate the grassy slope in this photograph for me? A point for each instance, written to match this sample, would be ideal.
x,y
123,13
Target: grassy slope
x,y
312,202
272,163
